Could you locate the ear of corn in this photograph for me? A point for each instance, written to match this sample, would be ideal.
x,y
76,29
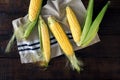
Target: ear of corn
x,y
75,27
63,41
34,10
95,26
88,21
44,41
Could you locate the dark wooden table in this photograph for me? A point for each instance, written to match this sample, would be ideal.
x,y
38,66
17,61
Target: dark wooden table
x,y
101,61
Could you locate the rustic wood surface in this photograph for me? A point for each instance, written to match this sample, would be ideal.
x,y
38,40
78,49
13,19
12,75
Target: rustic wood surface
x,y
101,61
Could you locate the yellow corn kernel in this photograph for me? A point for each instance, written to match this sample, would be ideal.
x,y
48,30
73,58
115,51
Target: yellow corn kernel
x,y
63,41
44,40
74,24
34,9
60,36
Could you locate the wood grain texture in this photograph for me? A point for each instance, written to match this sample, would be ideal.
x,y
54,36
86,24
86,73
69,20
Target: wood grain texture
x,y
101,61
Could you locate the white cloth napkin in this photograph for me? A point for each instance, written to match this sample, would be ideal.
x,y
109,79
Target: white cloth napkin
x,y
29,49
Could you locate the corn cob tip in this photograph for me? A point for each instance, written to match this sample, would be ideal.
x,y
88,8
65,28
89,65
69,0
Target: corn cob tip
x,y
51,20
34,9
67,7
78,44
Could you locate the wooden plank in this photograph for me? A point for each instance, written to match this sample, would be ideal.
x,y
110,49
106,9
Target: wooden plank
x,y
21,6
108,47
13,6
94,68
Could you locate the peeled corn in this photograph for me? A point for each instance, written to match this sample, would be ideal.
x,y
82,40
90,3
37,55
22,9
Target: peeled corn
x,y
34,9
33,14
75,27
44,41
63,41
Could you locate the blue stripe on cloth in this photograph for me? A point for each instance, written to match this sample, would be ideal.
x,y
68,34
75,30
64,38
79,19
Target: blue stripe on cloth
x,y
28,44
37,43
29,49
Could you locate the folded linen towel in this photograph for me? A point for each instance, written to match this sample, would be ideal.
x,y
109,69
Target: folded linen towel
x,y
29,49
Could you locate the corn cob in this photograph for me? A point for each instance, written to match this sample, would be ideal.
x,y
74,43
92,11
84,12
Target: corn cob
x,y
34,9
95,26
63,41
74,24
33,13
44,41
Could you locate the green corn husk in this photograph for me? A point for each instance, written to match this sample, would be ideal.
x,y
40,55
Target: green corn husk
x,y
29,28
40,38
10,44
45,53
95,26
40,34
88,21
32,24
18,34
